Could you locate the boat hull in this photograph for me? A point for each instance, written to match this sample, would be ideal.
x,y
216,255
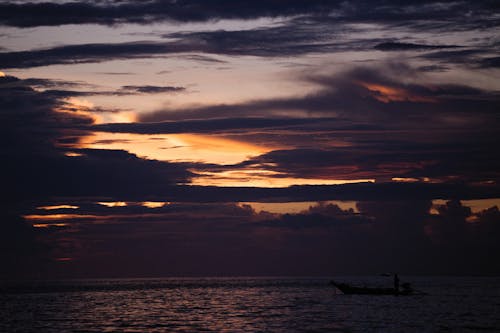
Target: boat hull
x,y
353,290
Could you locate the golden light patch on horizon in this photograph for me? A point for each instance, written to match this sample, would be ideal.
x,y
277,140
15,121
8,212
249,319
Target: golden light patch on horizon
x,y
55,207
481,204
405,180
296,207
49,217
113,203
437,202
72,154
2,74
48,225
154,204
262,178
176,147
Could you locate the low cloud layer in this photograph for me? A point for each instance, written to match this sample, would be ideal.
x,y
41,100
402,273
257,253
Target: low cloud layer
x,y
226,238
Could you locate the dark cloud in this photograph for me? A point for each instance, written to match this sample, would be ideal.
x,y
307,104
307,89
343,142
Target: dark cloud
x,y
458,56
213,194
59,93
99,172
322,216
363,95
462,236
61,88
50,88
425,13
203,59
359,191
297,35
492,62
124,91
85,53
31,120
35,127
39,83
207,126
396,46
389,158
194,239
398,235
267,42
472,58
152,89
433,68
30,14
21,253
386,235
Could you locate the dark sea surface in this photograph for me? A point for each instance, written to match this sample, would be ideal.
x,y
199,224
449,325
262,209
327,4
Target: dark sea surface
x,y
450,304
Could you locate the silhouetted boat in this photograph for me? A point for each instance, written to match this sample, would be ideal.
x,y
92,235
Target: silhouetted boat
x,y
353,290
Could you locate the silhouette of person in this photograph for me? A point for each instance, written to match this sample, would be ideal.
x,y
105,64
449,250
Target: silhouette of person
x,y
396,283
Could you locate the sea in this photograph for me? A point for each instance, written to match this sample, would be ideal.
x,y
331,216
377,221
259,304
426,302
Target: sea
x,y
244,304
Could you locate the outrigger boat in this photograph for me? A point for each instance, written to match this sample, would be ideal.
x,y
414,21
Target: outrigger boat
x,y
353,290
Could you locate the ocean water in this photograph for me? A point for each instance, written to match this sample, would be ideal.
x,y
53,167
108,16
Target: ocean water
x,y
248,305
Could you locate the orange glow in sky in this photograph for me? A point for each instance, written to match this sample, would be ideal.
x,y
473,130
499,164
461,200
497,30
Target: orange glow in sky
x,y
176,147
262,178
206,149
85,108
154,204
40,217
72,154
58,207
388,94
405,180
296,207
113,203
48,225
118,117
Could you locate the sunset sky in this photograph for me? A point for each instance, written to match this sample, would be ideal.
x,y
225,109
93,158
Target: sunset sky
x,y
226,137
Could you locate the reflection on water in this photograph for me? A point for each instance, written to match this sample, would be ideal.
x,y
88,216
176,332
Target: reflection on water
x,y
246,305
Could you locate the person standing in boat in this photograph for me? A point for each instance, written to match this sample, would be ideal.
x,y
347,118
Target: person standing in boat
x,y
396,283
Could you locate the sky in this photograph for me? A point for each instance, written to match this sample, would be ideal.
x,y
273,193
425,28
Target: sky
x,y
249,138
